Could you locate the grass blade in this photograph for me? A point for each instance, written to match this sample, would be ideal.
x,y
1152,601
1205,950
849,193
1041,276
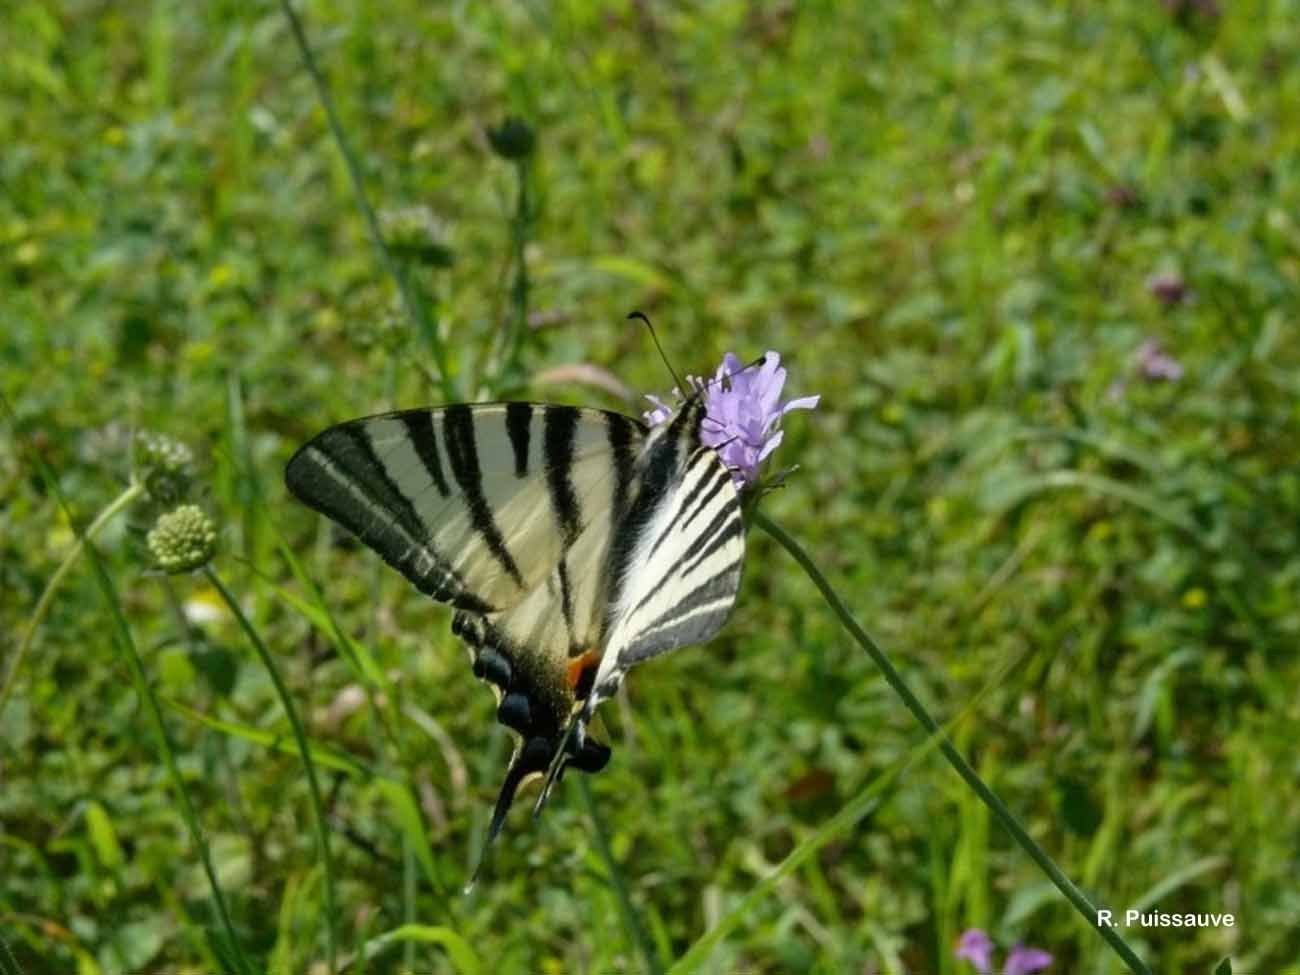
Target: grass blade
x,y
457,948
416,309
999,809
120,503
304,752
125,644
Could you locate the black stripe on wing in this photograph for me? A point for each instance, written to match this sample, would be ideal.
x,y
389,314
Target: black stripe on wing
x,y
462,453
695,618
419,427
695,563
519,421
340,475
659,468
693,504
624,437
561,423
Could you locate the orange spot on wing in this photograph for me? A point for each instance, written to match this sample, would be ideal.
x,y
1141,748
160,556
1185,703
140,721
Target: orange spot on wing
x,y
579,665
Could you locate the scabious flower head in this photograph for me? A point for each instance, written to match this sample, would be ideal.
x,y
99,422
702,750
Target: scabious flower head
x,y
1168,287
166,465
744,411
416,234
183,539
1155,364
513,139
976,947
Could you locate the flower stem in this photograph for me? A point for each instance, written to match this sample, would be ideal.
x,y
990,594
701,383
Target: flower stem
x,y
1004,815
133,490
630,918
520,287
300,736
416,309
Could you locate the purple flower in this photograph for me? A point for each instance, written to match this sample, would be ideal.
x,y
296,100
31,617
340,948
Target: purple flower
x,y
1026,961
1155,364
1185,8
1168,288
976,947
744,411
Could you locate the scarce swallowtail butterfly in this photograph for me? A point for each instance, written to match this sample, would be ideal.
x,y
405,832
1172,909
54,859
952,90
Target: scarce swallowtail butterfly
x,y
572,543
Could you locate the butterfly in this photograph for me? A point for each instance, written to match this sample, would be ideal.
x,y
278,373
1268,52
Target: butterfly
x,y
573,544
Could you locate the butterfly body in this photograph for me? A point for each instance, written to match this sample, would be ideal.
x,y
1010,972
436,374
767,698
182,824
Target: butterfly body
x,y
572,544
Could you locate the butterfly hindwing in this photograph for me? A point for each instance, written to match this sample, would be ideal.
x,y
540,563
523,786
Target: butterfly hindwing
x,y
678,556
675,563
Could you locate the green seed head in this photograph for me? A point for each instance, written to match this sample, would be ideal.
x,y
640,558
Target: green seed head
x,y
512,139
166,466
183,539
416,234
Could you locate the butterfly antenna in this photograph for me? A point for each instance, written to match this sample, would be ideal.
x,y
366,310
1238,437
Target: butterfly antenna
x,y
726,378
673,372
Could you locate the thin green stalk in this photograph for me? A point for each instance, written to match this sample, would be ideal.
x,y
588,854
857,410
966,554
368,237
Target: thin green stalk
x,y
133,490
416,309
8,963
1004,815
861,805
300,736
126,646
520,287
409,914
631,920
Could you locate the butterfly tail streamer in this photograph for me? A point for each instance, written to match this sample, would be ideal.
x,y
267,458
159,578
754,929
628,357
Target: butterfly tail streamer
x,y
524,763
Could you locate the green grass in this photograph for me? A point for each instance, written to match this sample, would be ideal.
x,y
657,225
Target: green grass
x,y
943,216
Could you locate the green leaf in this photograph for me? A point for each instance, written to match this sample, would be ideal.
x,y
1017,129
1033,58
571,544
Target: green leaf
x,y
457,948
1179,878
1080,812
218,667
411,823
136,944
634,270
322,755
1224,967
103,837
318,615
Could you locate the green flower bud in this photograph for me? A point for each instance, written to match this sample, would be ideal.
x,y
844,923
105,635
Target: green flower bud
x,y
183,539
166,465
512,139
416,234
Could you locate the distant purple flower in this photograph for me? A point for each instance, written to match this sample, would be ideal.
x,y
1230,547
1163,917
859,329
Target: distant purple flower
x,y
1026,961
1155,364
976,947
1185,8
1122,196
744,412
1168,288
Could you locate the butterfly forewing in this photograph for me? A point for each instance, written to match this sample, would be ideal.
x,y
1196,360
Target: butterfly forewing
x,y
474,505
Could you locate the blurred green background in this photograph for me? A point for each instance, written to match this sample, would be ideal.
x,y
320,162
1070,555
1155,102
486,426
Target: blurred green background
x,y
1042,262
